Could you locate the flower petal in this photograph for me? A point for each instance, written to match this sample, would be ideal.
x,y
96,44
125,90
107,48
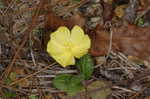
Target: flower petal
x,y
60,53
76,35
80,43
65,59
58,49
61,35
55,48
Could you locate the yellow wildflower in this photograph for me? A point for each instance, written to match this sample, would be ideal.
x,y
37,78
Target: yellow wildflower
x,y
65,45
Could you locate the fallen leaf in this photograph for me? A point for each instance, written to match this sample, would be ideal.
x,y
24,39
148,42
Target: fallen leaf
x,y
109,1
53,22
100,60
20,71
131,40
144,4
101,94
136,60
77,19
148,97
12,76
49,96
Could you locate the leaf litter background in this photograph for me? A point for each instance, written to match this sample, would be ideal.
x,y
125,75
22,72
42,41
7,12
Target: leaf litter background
x,y
120,33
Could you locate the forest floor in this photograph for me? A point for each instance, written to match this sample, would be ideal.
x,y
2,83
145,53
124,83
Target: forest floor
x,y
119,31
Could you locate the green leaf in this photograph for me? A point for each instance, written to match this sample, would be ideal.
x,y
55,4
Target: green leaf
x,y
86,66
9,94
68,83
33,97
7,81
140,22
13,75
11,78
76,0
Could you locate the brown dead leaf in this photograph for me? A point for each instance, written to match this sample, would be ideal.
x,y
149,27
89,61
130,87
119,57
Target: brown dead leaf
x,y
147,97
109,1
53,22
49,96
77,19
101,94
145,4
131,40
23,83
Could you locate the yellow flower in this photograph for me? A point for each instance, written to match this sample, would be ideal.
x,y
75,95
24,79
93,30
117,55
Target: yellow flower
x,y
65,45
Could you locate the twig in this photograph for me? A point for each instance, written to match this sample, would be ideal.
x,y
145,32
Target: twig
x,y
46,67
125,89
9,6
46,76
110,41
31,51
11,88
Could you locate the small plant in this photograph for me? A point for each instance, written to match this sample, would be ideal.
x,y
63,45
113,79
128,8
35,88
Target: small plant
x,y
64,46
72,83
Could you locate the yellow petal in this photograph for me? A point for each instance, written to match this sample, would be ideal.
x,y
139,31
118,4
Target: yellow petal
x,y
65,59
58,47
76,35
60,53
61,35
80,43
55,48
